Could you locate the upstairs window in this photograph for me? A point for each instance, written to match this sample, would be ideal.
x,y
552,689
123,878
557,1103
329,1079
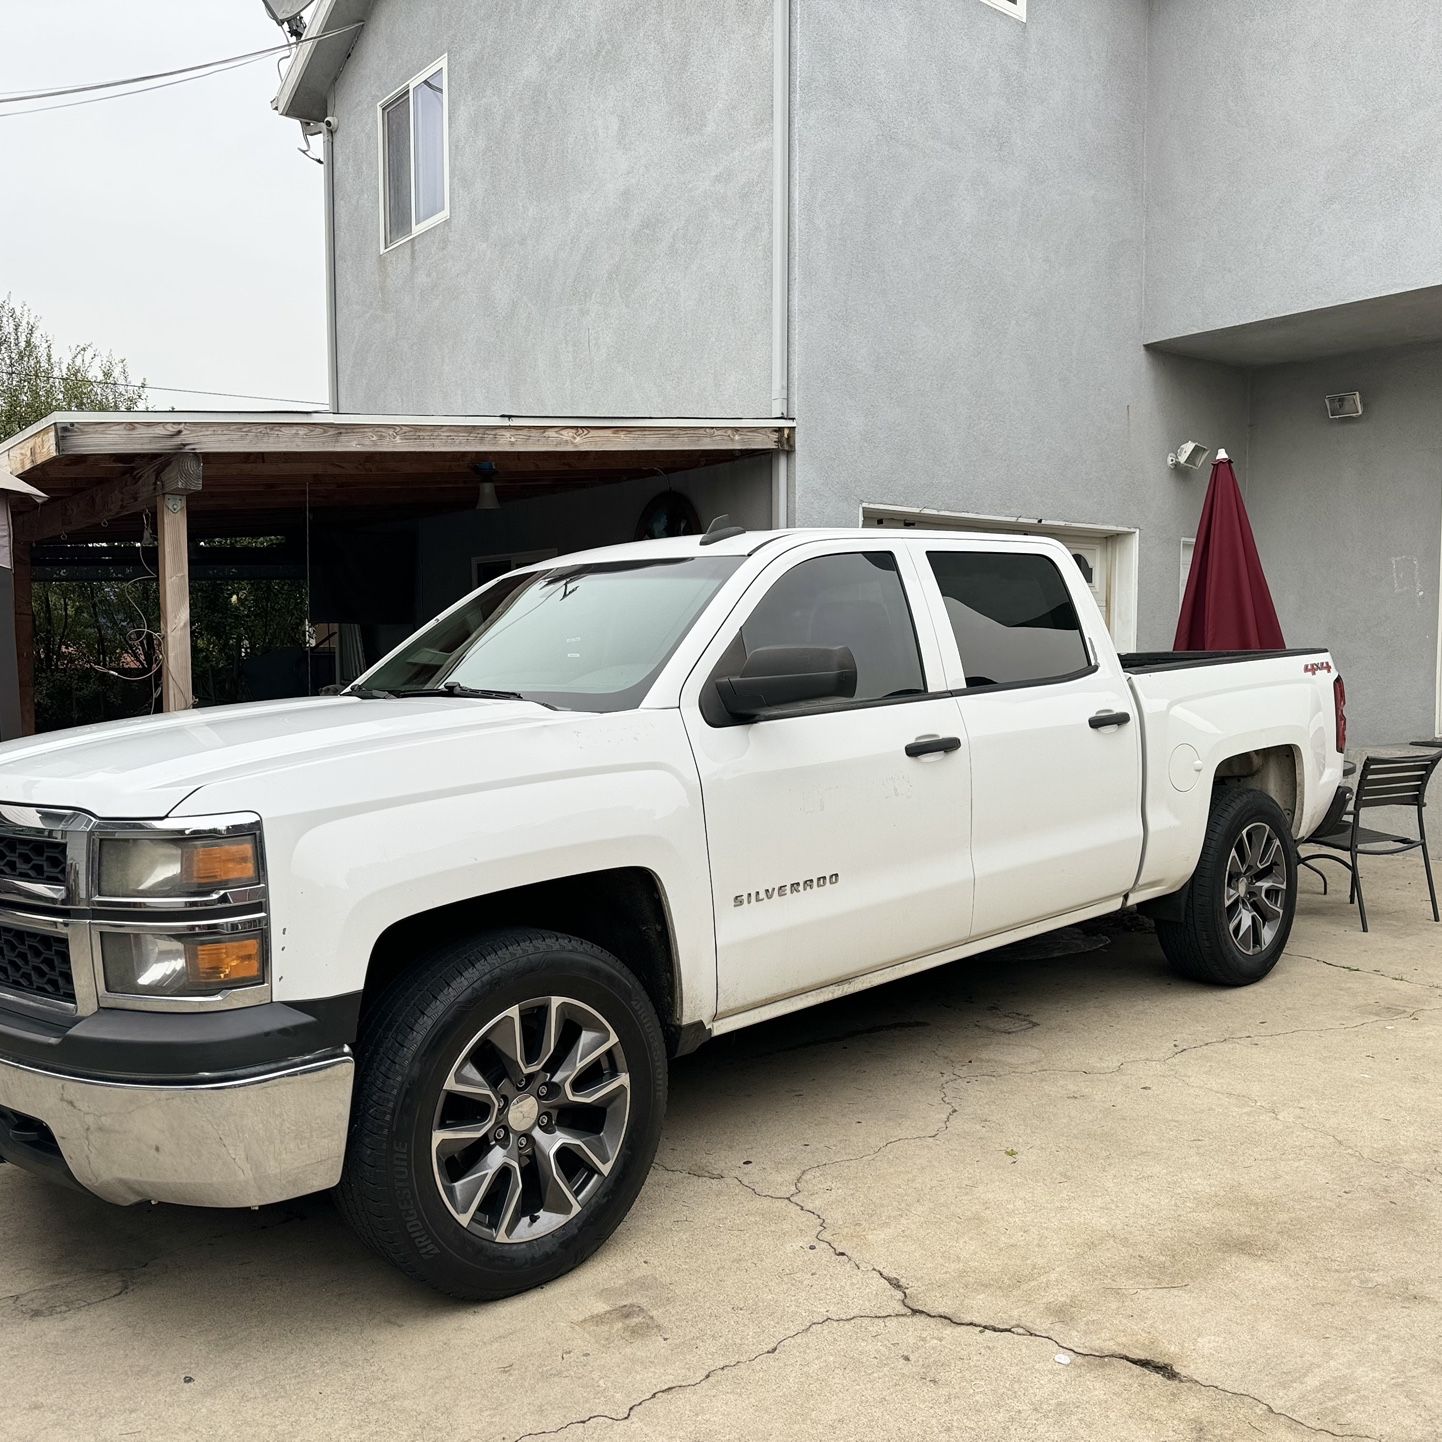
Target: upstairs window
x,y
1012,7
415,167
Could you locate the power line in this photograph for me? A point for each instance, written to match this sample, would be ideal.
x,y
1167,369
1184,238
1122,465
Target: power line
x,y
169,390
163,77
13,97
125,94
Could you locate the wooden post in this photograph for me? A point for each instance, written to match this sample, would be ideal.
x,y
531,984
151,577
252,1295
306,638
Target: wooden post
x,y
173,535
24,637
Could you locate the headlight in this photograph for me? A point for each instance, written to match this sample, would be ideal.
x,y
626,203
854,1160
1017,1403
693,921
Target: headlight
x,y
153,868
162,965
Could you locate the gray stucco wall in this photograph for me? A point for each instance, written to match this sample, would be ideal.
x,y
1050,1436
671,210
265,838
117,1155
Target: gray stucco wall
x,y
608,250
579,520
1292,157
1348,517
969,278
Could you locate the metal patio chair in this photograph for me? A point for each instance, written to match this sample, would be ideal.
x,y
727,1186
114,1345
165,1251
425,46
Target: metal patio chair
x,y
1385,781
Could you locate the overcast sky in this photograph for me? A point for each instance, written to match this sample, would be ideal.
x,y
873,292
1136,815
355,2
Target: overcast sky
x,y
180,229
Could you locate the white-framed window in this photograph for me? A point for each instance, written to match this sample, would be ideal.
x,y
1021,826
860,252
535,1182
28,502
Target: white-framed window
x,y
415,156
1012,7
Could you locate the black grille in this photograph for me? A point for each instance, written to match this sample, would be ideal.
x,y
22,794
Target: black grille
x,y
36,963
32,858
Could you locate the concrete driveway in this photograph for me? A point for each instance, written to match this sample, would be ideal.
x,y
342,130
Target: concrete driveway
x,y
1032,1197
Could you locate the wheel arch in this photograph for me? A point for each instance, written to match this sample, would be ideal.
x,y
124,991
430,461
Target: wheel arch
x,y
622,910
1275,770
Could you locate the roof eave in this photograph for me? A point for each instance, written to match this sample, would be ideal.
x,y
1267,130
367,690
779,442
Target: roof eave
x,y
321,56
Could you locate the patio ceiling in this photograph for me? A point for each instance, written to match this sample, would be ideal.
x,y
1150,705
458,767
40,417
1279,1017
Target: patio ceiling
x,y
260,473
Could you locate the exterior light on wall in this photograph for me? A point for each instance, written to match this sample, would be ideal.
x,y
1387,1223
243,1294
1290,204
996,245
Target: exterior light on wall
x,y
1189,456
1344,407
486,497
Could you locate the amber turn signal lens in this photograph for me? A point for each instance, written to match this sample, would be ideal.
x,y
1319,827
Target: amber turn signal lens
x,y
234,963
220,863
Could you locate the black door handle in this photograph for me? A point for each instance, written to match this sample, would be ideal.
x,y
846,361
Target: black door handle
x,y
1103,719
930,745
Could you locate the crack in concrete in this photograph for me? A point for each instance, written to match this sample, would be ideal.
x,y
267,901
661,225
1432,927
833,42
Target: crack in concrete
x,y
715,1371
129,1273
1364,970
911,1311
1166,1371
1346,1146
1401,1015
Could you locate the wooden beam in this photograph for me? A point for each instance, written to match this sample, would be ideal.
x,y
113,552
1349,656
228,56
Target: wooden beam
x,y
170,525
36,450
24,635
155,436
112,498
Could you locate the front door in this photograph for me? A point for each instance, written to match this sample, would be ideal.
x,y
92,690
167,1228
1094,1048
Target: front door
x,y
833,851
1056,798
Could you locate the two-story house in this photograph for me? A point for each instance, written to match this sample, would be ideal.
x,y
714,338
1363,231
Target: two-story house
x,y
998,259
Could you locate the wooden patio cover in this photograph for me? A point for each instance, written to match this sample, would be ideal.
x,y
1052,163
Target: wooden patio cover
x,y
216,475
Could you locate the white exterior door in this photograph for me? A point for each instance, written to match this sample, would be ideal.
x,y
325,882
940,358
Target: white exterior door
x,y
1105,557
1056,797
833,851
1094,560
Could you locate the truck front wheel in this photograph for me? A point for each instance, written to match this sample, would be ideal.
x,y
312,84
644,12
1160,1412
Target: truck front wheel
x,y
1243,896
508,1104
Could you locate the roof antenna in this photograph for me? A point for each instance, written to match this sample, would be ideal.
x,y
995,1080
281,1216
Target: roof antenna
x,y
721,529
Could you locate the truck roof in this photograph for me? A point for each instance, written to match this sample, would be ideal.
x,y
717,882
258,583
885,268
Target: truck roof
x,y
747,543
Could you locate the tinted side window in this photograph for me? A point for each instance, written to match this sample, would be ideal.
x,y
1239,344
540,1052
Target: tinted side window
x,y
854,600
1012,616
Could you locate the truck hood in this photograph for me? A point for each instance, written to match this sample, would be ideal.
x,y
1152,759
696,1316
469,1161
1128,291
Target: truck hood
x,y
142,769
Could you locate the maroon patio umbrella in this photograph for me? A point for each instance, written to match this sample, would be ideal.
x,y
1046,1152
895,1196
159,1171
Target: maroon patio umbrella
x,y
1227,606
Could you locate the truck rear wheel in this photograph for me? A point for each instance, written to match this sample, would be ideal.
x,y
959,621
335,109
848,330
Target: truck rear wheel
x,y
1243,895
509,1097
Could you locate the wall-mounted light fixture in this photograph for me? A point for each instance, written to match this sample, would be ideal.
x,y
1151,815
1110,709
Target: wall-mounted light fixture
x,y
1189,456
486,497
1346,406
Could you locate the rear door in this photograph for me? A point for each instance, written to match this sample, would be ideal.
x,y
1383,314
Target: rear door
x,y
1053,735
833,850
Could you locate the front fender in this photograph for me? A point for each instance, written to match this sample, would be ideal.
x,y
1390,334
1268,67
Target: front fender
x,y
357,845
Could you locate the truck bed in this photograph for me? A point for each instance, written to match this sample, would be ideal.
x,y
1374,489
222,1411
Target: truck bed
x,y
1139,662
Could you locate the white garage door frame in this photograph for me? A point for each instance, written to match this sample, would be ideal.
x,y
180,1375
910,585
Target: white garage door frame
x,y
1120,543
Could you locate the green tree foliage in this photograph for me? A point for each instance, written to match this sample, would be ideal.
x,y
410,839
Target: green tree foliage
x,y
97,655
96,642
37,377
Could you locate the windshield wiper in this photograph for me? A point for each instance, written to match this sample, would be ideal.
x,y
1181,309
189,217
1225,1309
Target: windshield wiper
x,y
367,693
472,693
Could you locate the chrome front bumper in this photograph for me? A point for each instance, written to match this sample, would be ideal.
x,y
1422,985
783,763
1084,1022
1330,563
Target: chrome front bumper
x,y
236,1143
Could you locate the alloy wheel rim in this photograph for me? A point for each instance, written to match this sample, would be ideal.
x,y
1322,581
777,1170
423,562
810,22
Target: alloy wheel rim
x,y
1256,889
530,1120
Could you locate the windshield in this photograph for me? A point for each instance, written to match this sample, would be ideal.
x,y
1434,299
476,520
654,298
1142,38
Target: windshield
x,y
585,637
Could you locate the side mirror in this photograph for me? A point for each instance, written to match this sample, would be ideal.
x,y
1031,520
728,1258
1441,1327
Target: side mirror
x,y
777,678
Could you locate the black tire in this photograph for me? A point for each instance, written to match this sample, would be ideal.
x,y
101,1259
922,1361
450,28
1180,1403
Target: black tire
x,y
1202,945
409,1043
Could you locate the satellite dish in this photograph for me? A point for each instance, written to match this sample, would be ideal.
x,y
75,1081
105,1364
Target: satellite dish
x,y
284,11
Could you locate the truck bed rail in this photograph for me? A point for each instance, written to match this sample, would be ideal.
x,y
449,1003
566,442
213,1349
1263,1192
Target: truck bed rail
x,y
1137,662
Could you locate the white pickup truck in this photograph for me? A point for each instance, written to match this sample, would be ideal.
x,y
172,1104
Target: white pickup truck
x,y
431,941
